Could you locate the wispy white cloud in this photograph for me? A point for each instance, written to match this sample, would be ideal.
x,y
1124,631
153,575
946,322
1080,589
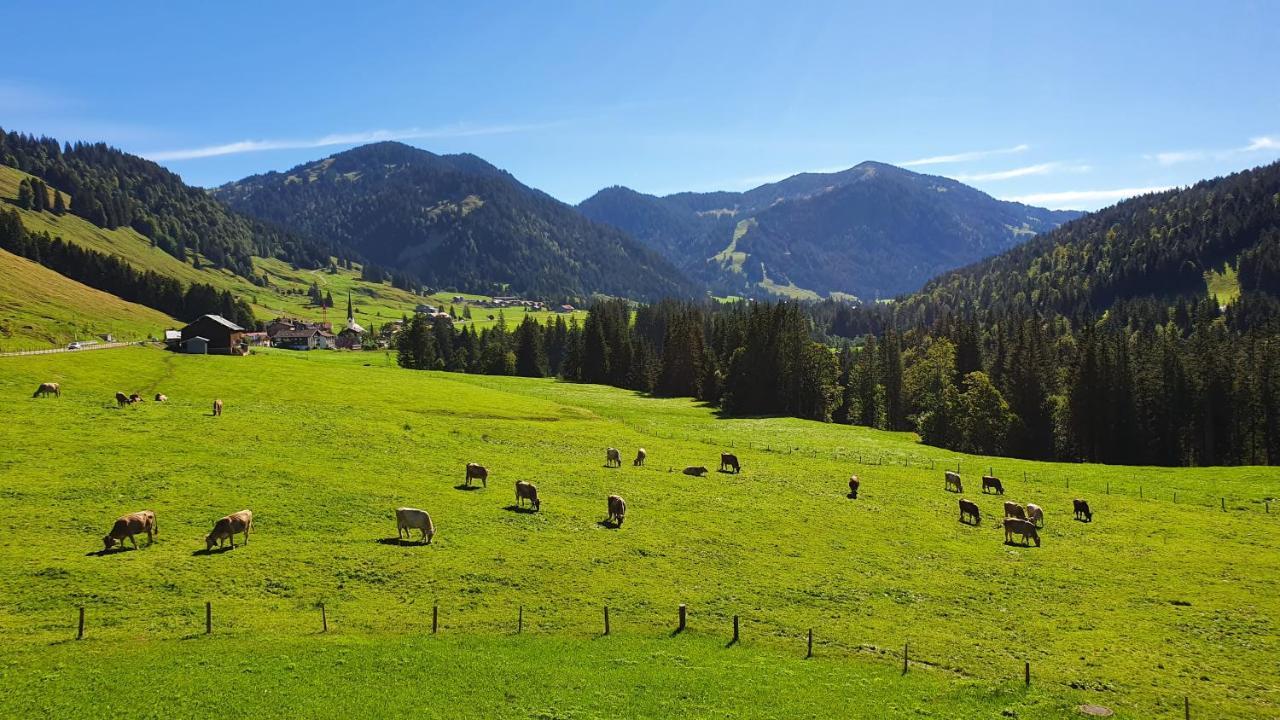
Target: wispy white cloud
x,y
965,156
1083,198
1264,143
1025,171
353,138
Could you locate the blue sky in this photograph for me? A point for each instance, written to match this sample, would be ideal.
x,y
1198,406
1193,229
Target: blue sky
x,y
1060,104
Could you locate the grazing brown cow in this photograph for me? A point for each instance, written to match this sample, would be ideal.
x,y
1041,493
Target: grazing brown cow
x,y
1082,510
970,508
853,487
612,458
121,399
527,491
476,471
217,407
1025,528
409,519
953,481
640,456
617,509
730,462
143,521
135,398
993,483
1014,510
47,389
1035,514
695,470
226,528
161,397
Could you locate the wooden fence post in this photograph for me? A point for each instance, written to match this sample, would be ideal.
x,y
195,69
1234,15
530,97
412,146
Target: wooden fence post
x,y
80,630
1108,487
1027,671
1224,504
906,651
208,617
435,618
682,618
1186,707
735,629
606,619
324,618
810,652
520,621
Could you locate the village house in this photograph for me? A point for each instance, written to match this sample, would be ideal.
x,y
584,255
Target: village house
x,y
213,334
312,338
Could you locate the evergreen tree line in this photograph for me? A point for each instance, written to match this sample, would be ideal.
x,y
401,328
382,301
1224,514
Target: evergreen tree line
x,y
110,274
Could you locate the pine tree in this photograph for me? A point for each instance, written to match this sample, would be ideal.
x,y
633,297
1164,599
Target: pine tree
x,y
26,197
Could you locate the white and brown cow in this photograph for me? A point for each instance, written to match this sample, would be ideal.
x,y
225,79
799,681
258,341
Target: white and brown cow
x,y
410,519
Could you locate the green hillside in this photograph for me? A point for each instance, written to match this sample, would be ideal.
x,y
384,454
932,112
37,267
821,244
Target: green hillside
x,y
1172,591
285,292
40,308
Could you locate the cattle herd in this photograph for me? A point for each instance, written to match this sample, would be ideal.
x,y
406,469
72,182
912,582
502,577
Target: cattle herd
x,y
1021,521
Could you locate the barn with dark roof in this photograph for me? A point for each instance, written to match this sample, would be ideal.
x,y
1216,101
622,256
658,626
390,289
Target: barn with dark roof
x,y
220,335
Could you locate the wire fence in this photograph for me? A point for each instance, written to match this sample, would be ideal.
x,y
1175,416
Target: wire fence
x,y
82,348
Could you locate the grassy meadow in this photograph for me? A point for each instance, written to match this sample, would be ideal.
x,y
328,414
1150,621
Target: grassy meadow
x,y
1155,600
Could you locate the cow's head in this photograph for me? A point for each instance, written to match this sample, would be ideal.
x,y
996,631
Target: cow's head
x,y
210,541
108,542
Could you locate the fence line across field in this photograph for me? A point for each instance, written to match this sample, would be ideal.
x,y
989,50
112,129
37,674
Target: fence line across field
x,y
682,625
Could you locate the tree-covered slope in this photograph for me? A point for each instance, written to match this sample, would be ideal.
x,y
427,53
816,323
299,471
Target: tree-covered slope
x,y
454,220
873,230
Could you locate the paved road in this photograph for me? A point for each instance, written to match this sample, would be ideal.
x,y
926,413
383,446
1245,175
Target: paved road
x,y
97,346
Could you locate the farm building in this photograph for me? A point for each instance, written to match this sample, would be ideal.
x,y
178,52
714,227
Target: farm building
x,y
565,309
220,336
195,346
304,339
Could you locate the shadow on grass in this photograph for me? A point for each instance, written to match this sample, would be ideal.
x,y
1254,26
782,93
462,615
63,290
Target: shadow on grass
x,y
520,509
727,472
214,551
1015,543
464,486
112,551
609,524
402,542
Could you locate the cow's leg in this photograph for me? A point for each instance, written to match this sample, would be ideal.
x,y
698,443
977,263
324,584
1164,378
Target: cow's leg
x,y
133,540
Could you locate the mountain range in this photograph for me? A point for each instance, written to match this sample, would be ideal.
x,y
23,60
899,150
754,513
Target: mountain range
x,y
871,231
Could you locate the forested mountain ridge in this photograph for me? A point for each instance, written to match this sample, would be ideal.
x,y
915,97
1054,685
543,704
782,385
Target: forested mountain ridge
x,y
111,189
454,220
1157,245
873,230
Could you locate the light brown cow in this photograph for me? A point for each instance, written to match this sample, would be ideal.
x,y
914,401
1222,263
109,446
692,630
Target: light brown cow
x,y
612,458
527,491
226,528
640,457
161,397
217,407
1025,528
1014,510
953,481
1035,514
617,509
47,389
143,521
121,399
853,487
409,519
476,471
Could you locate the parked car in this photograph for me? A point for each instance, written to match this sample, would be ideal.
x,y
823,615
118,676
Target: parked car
x,y
74,346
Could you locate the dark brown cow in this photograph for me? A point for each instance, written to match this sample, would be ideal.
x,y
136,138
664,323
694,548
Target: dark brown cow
x,y
476,471
47,389
730,462
226,529
121,399
1014,510
135,398
695,470
1082,510
853,487
143,521
953,481
617,509
1025,528
527,491
970,508
992,483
